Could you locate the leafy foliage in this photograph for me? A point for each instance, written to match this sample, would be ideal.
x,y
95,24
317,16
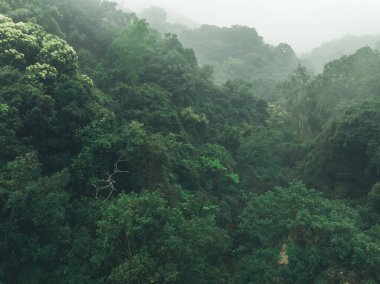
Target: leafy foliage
x,y
146,171
346,159
144,240
321,237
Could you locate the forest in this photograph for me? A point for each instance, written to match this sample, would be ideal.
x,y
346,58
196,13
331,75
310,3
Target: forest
x,y
147,153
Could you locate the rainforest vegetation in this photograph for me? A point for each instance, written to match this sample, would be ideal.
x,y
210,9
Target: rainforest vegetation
x,y
124,159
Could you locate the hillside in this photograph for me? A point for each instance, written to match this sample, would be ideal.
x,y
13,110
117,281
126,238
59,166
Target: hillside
x,y
239,52
347,45
236,52
123,161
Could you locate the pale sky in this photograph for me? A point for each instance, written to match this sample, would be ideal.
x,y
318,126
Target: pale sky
x,y
304,24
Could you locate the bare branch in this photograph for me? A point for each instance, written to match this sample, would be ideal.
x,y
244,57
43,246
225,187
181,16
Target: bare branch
x,y
109,182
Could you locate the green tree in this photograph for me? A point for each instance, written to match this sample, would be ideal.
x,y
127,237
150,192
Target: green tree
x,y
33,229
143,240
260,159
295,97
132,50
48,101
322,239
346,160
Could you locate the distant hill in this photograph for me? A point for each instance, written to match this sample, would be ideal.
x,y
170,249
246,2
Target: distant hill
x,y
335,49
236,52
239,52
177,18
167,21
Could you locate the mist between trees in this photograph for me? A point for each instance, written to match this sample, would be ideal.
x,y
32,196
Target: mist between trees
x,y
138,153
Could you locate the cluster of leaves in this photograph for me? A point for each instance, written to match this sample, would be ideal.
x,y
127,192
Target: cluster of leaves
x,y
346,159
45,99
323,239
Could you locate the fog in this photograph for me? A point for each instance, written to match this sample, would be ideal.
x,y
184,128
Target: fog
x,y
304,24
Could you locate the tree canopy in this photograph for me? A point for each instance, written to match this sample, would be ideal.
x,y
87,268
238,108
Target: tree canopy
x,y
126,157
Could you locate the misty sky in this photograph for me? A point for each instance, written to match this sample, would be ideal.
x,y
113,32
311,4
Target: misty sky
x,y
304,24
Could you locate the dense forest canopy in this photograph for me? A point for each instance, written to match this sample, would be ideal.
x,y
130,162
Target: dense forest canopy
x,y
125,157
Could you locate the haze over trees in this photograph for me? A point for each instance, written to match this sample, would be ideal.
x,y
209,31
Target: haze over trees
x,y
125,159
335,49
236,52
